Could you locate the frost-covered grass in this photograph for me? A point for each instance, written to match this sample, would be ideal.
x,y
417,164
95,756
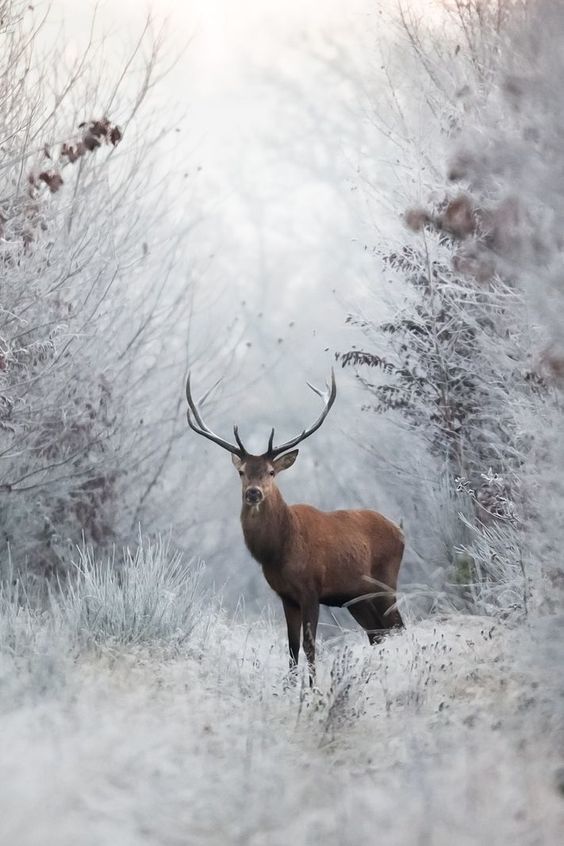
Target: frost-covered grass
x,y
127,734
148,595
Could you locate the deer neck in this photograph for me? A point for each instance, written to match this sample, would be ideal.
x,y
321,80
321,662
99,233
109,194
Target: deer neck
x,y
266,529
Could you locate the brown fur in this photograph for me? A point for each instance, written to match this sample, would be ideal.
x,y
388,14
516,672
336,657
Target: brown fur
x,y
311,557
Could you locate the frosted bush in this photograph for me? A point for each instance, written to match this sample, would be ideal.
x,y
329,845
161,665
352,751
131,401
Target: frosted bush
x,y
148,594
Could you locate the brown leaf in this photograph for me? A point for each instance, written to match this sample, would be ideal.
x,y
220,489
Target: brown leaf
x,y
504,225
99,128
460,165
69,151
52,180
552,360
458,217
90,142
116,135
416,219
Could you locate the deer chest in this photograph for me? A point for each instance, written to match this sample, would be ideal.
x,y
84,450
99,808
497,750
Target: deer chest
x,y
288,582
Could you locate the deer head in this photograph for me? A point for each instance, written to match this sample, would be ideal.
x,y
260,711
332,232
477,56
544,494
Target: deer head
x,y
258,472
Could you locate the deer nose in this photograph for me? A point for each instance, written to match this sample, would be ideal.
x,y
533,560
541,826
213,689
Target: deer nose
x,y
253,495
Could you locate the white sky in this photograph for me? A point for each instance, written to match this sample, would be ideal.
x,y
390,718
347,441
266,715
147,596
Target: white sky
x,y
275,132
278,211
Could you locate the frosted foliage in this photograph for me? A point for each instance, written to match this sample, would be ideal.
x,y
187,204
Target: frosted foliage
x,y
150,594
83,309
471,358
455,361
440,733
520,168
446,362
508,157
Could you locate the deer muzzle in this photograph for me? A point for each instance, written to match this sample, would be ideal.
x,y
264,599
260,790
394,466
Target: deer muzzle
x,y
253,496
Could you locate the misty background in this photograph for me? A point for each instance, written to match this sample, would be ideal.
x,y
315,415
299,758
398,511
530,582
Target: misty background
x,y
272,133
257,192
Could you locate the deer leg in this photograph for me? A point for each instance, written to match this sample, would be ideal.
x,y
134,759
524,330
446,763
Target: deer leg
x,y
293,622
310,617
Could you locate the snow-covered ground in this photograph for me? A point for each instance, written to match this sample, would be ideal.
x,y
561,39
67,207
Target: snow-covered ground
x,y
446,734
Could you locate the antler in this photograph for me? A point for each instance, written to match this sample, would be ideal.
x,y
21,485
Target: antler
x,y
202,429
328,397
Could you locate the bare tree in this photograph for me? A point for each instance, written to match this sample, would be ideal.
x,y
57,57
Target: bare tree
x,y
508,157
456,362
92,317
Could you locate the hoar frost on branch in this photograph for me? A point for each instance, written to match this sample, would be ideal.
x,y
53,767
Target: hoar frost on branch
x,y
460,361
508,159
82,446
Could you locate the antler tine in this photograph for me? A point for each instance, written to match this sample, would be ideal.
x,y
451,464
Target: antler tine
x,y
270,440
328,398
319,393
192,405
202,429
238,439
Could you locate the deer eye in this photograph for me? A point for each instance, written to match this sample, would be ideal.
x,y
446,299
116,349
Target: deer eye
x,y
271,473
241,473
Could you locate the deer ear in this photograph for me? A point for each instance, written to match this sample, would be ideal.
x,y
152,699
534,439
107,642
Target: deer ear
x,y
285,461
236,461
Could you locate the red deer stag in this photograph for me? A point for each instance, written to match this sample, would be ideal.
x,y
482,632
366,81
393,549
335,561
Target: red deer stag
x,y
311,557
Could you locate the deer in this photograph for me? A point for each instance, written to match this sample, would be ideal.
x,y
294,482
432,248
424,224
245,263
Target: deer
x,y
311,557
